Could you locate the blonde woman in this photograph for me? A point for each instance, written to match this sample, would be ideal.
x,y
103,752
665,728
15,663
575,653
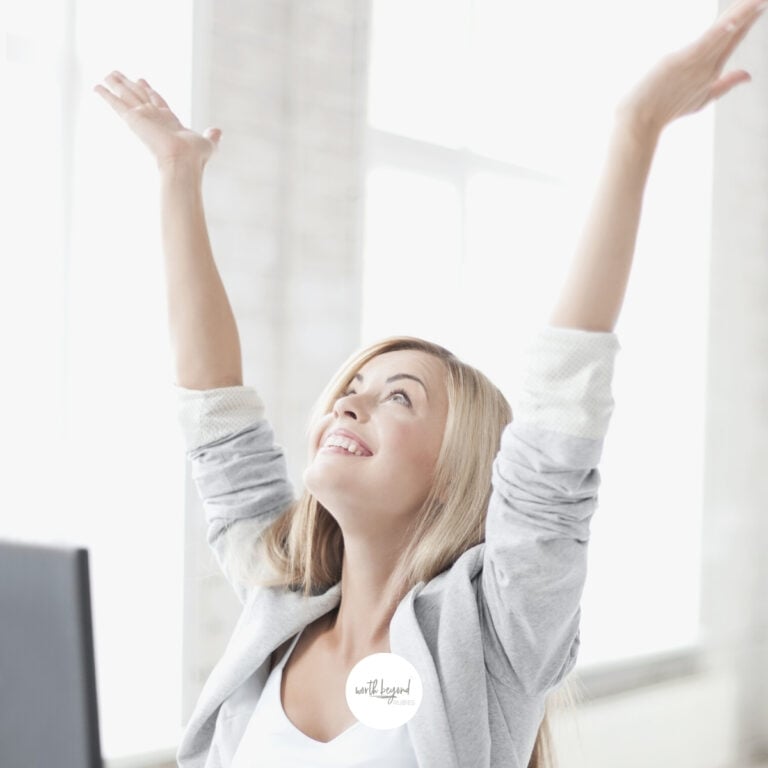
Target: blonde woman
x,y
432,525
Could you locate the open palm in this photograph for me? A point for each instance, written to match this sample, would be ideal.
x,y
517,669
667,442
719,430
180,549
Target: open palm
x,y
150,118
686,80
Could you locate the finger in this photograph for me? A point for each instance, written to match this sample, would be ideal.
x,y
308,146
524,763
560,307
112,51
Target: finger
x,y
736,12
740,10
117,104
730,29
120,84
738,31
725,83
214,134
721,38
153,95
137,90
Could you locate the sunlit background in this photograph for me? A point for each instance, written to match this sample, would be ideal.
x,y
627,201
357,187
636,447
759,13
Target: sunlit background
x,y
485,128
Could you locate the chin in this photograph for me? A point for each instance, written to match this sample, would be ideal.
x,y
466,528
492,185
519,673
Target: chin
x,y
331,490
318,483
323,470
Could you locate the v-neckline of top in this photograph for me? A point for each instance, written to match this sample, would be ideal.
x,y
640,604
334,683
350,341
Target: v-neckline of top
x,y
279,680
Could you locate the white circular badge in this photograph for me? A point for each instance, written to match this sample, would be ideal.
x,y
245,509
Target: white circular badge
x,y
384,690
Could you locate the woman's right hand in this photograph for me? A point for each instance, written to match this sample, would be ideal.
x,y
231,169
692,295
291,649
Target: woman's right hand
x,y
150,118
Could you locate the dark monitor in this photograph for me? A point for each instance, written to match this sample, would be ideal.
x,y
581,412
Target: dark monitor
x,y
48,704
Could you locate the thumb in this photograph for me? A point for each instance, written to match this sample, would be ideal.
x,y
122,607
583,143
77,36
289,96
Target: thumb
x,y
724,84
214,134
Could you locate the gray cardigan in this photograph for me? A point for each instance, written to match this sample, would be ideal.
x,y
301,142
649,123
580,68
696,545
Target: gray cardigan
x,y
490,636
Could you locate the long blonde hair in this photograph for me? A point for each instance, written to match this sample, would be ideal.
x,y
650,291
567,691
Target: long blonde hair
x,y
303,548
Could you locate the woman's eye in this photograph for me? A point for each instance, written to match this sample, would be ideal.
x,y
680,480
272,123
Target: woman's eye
x,y
399,394
402,396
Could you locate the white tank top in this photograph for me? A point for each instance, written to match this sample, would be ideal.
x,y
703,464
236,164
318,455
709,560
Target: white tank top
x,y
275,742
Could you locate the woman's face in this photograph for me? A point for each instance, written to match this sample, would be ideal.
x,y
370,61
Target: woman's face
x,y
373,457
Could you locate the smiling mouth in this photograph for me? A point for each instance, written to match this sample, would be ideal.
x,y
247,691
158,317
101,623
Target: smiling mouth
x,y
340,444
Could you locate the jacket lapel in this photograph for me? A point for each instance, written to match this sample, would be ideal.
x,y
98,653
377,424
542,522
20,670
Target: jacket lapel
x,y
253,640
431,720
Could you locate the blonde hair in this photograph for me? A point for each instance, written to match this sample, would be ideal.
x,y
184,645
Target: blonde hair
x,y
303,547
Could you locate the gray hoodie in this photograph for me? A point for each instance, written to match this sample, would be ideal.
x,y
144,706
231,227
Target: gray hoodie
x,y
492,635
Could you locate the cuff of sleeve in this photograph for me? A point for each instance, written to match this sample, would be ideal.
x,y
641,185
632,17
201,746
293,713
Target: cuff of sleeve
x,y
207,415
567,381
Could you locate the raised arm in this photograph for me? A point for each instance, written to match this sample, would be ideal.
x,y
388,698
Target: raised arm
x,y
202,325
545,476
681,83
238,469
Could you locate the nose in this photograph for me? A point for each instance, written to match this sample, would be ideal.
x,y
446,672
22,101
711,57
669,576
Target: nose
x,y
348,405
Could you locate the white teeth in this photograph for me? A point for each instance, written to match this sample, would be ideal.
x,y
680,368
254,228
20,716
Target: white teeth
x,y
346,443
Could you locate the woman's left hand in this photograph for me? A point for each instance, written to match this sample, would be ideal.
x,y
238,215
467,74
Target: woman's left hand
x,y
687,79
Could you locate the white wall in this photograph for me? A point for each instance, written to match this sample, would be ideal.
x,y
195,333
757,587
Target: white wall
x,y
735,567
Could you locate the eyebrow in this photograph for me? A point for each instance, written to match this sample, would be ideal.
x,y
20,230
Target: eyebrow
x,y
397,376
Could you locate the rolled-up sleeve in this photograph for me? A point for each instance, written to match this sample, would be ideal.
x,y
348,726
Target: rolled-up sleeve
x,y
545,487
238,470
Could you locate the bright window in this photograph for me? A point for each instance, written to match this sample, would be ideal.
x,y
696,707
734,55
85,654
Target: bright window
x,y
92,449
488,123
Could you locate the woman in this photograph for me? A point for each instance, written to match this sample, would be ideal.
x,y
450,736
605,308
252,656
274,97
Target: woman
x,y
431,525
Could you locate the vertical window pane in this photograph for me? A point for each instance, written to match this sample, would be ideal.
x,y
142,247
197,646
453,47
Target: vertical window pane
x,y
519,73
519,235
418,68
92,428
646,536
412,245
33,186
127,463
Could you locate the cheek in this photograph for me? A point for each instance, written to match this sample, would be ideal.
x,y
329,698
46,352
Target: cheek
x,y
316,433
421,450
